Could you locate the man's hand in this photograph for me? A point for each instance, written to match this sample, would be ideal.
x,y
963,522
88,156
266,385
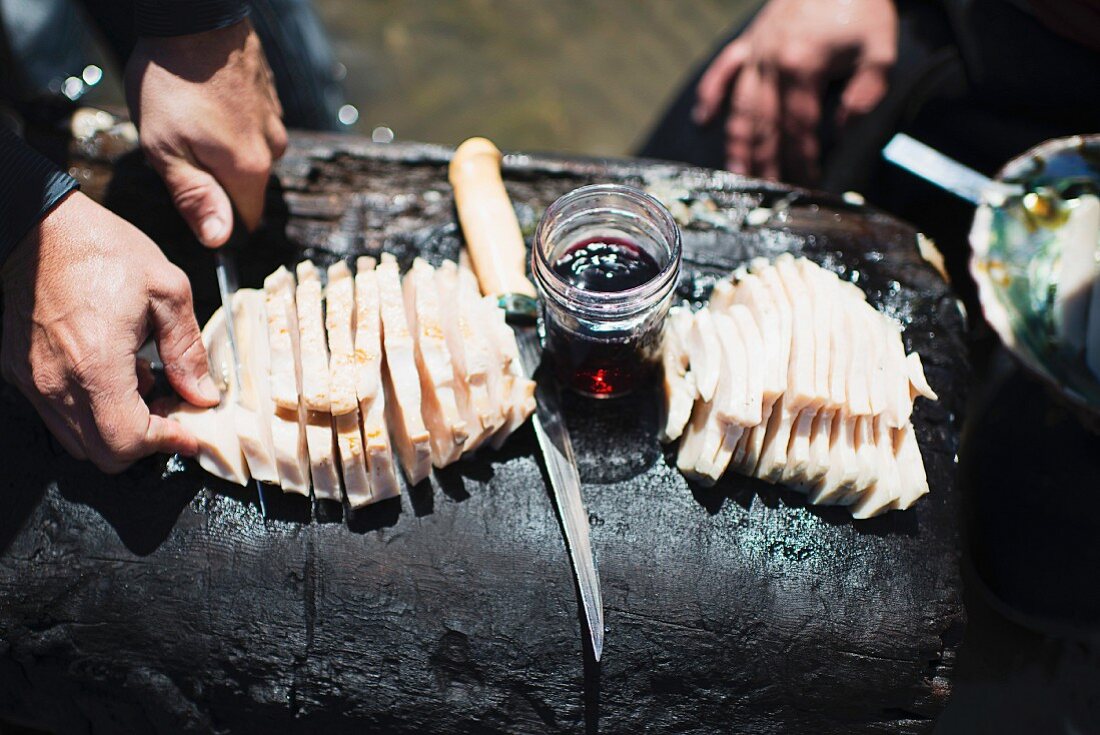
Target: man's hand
x,y
775,74
82,293
210,123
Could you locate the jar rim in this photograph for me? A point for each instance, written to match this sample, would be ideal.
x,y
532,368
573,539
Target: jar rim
x,y
628,300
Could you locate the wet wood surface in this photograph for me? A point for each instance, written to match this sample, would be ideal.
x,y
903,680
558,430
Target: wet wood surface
x,y
161,601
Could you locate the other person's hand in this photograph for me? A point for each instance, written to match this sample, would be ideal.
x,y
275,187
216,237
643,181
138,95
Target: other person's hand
x,y
775,73
210,123
82,292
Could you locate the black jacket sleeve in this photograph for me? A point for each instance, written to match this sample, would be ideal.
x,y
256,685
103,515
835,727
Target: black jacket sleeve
x,y
181,17
30,186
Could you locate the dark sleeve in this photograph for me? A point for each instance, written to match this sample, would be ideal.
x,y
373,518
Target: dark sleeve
x,y
181,17
30,186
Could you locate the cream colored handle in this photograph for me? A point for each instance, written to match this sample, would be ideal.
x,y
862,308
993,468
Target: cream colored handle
x,y
489,223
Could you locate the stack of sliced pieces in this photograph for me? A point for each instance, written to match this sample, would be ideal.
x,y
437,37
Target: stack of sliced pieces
x,y
790,376
336,379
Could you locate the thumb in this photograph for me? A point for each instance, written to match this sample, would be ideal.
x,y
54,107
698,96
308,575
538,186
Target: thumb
x,y
201,201
865,89
179,342
169,437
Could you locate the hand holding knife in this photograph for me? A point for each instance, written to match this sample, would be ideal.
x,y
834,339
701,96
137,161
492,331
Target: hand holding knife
x,y
498,254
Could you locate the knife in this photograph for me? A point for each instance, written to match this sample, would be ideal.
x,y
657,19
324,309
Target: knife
x,y
226,268
948,174
498,254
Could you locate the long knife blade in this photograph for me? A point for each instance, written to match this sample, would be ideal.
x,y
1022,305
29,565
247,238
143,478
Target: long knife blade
x,y
561,466
947,173
498,253
226,268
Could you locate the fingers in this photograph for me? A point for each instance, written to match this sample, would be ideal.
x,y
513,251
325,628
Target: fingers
x,y
752,131
715,83
243,174
801,118
179,340
202,202
865,89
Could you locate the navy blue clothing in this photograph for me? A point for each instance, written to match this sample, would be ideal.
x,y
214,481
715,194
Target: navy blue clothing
x,y
30,184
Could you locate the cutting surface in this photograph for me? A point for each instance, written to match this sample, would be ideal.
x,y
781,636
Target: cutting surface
x,y
159,600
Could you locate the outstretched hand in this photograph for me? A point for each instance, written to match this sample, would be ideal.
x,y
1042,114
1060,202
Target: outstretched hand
x,y
775,73
82,293
210,124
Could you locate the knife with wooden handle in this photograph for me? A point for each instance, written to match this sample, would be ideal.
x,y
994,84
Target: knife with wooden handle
x,y
499,256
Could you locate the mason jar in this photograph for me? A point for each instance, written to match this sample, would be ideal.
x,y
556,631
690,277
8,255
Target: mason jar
x,y
605,262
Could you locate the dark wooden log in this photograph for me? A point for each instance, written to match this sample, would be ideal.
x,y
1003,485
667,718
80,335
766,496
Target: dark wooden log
x,y
160,601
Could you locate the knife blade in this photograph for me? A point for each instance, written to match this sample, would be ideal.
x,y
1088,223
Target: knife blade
x,y
948,174
225,266
498,254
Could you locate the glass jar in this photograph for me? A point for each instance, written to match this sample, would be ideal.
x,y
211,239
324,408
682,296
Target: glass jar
x,y
605,262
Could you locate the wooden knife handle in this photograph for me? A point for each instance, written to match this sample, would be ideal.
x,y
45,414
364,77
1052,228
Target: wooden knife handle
x,y
489,223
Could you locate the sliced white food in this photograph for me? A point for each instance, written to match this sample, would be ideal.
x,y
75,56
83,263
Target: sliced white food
x,y
769,279
722,295
747,455
820,446
311,338
918,383
1078,270
899,401
777,437
484,349
752,293
368,383
913,480
801,387
321,442
288,424
679,381
705,354
752,344
439,406
886,489
282,320
219,449
255,409
797,464
469,359
517,390
820,285
339,323
400,376
732,402
339,318
843,470
858,388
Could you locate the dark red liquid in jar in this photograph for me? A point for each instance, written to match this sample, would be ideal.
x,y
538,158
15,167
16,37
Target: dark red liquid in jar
x,y
596,364
606,264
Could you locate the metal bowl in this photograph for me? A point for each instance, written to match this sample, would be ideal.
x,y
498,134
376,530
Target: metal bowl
x,y
1015,260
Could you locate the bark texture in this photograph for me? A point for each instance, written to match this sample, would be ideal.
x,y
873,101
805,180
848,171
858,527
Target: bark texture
x,y
160,601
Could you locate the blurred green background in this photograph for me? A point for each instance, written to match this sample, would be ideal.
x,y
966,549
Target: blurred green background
x,y
583,76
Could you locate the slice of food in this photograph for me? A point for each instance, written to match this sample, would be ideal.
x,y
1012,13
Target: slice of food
x,y
918,383
288,423
368,383
282,318
820,446
339,325
400,377
733,401
843,470
474,311
796,466
340,297
469,359
820,285
913,482
801,385
311,338
219,449
858,386
769,279
747,455
886,489
777,437
704,352
439,406
321,442
753,294
255,408
679,381
755,363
